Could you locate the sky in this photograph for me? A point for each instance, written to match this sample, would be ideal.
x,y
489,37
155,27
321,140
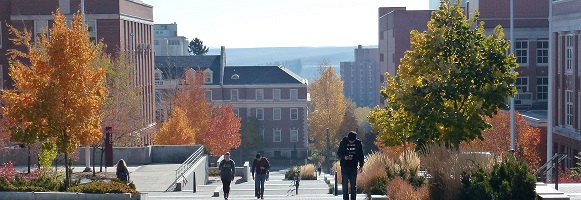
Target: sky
x,y
277,23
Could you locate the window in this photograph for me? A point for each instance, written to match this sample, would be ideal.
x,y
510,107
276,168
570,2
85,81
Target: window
x,y
236,111
276,114
276,94
276,135
381,57
259,94
261,133
208,79
209,95
92,29
294,113
542,52
233,95
260,114
294,93
522,84
39,25
569,108
569,56
294,135
542,88
521,51
173,42
156,42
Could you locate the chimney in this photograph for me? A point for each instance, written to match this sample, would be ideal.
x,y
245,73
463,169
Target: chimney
x,y
222,64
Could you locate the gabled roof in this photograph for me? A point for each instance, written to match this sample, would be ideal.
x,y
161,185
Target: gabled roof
x,y
173,66
263,75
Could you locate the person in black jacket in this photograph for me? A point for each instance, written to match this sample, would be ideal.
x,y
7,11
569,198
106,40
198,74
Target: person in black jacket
x,y
350,153
227,170
261,166
122,172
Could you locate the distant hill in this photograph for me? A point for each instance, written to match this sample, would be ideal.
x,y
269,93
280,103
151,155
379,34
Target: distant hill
x,y
303,61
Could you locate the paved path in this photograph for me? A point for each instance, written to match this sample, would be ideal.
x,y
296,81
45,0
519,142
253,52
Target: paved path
x,y
154,177
275,188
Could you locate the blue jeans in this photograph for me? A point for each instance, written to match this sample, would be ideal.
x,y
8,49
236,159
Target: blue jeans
x,y
349,174
259,185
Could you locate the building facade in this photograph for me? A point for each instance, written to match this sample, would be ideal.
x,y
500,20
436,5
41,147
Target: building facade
x,y
166,41
361,77
273,94
123,25
565,113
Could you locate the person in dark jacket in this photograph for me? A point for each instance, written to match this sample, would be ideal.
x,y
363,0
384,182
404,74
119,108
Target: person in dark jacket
x,y
122,172
350,154
260,165
227,170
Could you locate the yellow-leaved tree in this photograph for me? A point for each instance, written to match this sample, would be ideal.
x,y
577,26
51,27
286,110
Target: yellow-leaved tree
x,y
58,90
327,108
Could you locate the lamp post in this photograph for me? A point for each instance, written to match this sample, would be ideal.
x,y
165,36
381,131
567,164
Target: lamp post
x,y
327,160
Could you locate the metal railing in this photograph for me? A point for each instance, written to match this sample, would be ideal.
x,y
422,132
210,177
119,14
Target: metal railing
x,y
184,168
557,158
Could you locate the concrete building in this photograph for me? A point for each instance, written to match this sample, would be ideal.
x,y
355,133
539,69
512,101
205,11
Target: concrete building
x,y
361,77
125,25
565,113
166,41
273,94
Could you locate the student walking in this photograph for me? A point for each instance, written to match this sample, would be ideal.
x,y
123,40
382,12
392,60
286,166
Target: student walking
x,y
227,170
122,172
350,153
260,165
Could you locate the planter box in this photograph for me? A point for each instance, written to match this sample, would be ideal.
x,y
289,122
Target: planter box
x,y
70,196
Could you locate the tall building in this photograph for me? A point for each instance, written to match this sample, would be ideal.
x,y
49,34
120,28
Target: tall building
x,y
166,41
531,44
124,25
361,77
395,24
565,65
274,95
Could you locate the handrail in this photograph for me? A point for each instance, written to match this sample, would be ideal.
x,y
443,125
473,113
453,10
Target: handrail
x,y
549,164
184,168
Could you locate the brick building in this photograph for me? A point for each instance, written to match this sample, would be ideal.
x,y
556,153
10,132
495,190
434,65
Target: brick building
x,y
125,25
274,95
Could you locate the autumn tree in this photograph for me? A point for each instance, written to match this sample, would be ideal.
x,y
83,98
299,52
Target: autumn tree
x,y
197,47
497,139
451,78
176,130
349,122
223,130
327,108
60,94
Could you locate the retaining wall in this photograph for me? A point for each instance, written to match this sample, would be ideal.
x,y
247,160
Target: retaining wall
x,y
69,196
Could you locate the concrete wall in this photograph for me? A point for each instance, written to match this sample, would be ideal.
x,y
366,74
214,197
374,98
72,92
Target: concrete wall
x,y
69,196
131,155
201,170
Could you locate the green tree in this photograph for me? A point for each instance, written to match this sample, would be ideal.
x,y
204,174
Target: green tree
x,y
451,78
58,90
197,47
327,108
250,136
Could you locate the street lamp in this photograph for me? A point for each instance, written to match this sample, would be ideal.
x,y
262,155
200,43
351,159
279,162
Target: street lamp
x,y
327,160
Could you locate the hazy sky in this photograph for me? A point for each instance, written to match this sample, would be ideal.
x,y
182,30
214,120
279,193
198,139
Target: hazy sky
x,y
277,23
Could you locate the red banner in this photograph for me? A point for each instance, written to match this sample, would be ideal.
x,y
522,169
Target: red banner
x,y
109,147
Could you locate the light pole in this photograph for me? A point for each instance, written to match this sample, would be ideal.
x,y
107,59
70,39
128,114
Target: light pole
x,y
327,160
512,134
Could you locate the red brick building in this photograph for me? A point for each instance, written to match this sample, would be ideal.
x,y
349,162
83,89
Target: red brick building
x,y
125,25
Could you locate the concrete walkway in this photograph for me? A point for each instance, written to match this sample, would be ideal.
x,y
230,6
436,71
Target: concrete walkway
x,y
275,188
154,177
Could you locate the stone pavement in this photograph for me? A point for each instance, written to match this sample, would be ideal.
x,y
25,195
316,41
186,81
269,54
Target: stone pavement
x,y
275,188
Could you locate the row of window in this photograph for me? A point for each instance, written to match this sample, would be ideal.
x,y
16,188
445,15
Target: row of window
x,y
276,113
259,94
522,85
277,135
521,51
39,25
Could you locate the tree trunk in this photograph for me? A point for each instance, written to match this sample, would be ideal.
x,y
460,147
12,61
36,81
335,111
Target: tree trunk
x,y
67,174
101,163
93,157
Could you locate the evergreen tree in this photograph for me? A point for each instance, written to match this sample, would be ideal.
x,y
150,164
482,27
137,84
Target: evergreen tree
x,y
197,47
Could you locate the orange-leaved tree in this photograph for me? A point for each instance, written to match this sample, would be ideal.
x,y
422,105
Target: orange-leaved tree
x,y
176,130
497,139
223,131
58,91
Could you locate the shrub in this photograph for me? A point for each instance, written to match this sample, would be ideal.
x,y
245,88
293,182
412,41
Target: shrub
x,y
374,178
337,168
101,187
38,180
290,174
509,179
214,172
403,190
308,172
